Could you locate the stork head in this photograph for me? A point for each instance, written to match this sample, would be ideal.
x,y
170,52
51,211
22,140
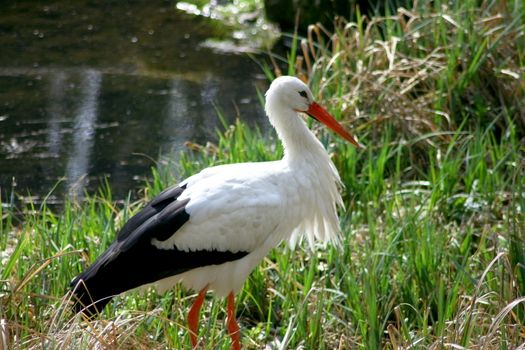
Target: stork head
x,y
290,93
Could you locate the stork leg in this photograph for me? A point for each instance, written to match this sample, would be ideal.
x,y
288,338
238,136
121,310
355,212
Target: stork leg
x,y
233,327
194,315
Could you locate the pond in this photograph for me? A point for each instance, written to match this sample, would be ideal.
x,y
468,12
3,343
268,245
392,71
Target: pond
x,y
99,89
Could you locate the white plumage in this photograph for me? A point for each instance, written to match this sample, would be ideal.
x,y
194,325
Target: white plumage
x,y
216,226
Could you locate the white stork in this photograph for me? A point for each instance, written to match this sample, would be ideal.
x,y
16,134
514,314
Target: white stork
x,y
211,230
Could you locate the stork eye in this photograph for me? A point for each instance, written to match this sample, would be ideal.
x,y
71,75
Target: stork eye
x,y
303,94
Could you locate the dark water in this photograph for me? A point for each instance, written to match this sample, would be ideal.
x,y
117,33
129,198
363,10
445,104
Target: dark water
x,y
94,89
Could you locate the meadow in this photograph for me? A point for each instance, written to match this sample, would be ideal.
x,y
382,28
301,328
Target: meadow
x,y
433,255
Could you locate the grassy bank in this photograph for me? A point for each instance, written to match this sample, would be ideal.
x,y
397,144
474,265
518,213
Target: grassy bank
x,y
434,227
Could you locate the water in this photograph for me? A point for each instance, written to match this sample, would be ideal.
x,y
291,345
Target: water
x,y
96,89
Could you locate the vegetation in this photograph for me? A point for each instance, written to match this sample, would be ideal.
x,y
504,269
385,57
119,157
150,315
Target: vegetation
x,y
434,252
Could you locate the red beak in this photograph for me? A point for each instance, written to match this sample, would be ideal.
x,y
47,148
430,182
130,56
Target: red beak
x,y
319,113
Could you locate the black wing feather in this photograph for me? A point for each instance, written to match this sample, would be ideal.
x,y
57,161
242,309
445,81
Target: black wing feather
x,y
132,260
155,206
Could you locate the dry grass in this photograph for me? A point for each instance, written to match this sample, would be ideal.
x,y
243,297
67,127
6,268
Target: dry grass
x,y
423,72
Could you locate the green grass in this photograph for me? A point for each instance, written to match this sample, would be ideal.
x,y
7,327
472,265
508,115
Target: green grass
x,y
434,226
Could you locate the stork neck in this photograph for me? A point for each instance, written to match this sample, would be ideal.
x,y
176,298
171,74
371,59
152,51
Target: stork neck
x,y
299,142
313,173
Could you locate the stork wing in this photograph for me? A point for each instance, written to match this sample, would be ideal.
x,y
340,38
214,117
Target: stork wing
x,y
132,261
207,220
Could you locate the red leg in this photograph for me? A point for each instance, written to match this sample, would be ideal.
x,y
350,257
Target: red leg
x,y
193,316
233,327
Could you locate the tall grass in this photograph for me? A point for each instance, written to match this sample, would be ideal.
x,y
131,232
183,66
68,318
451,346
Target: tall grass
x,y
434,226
